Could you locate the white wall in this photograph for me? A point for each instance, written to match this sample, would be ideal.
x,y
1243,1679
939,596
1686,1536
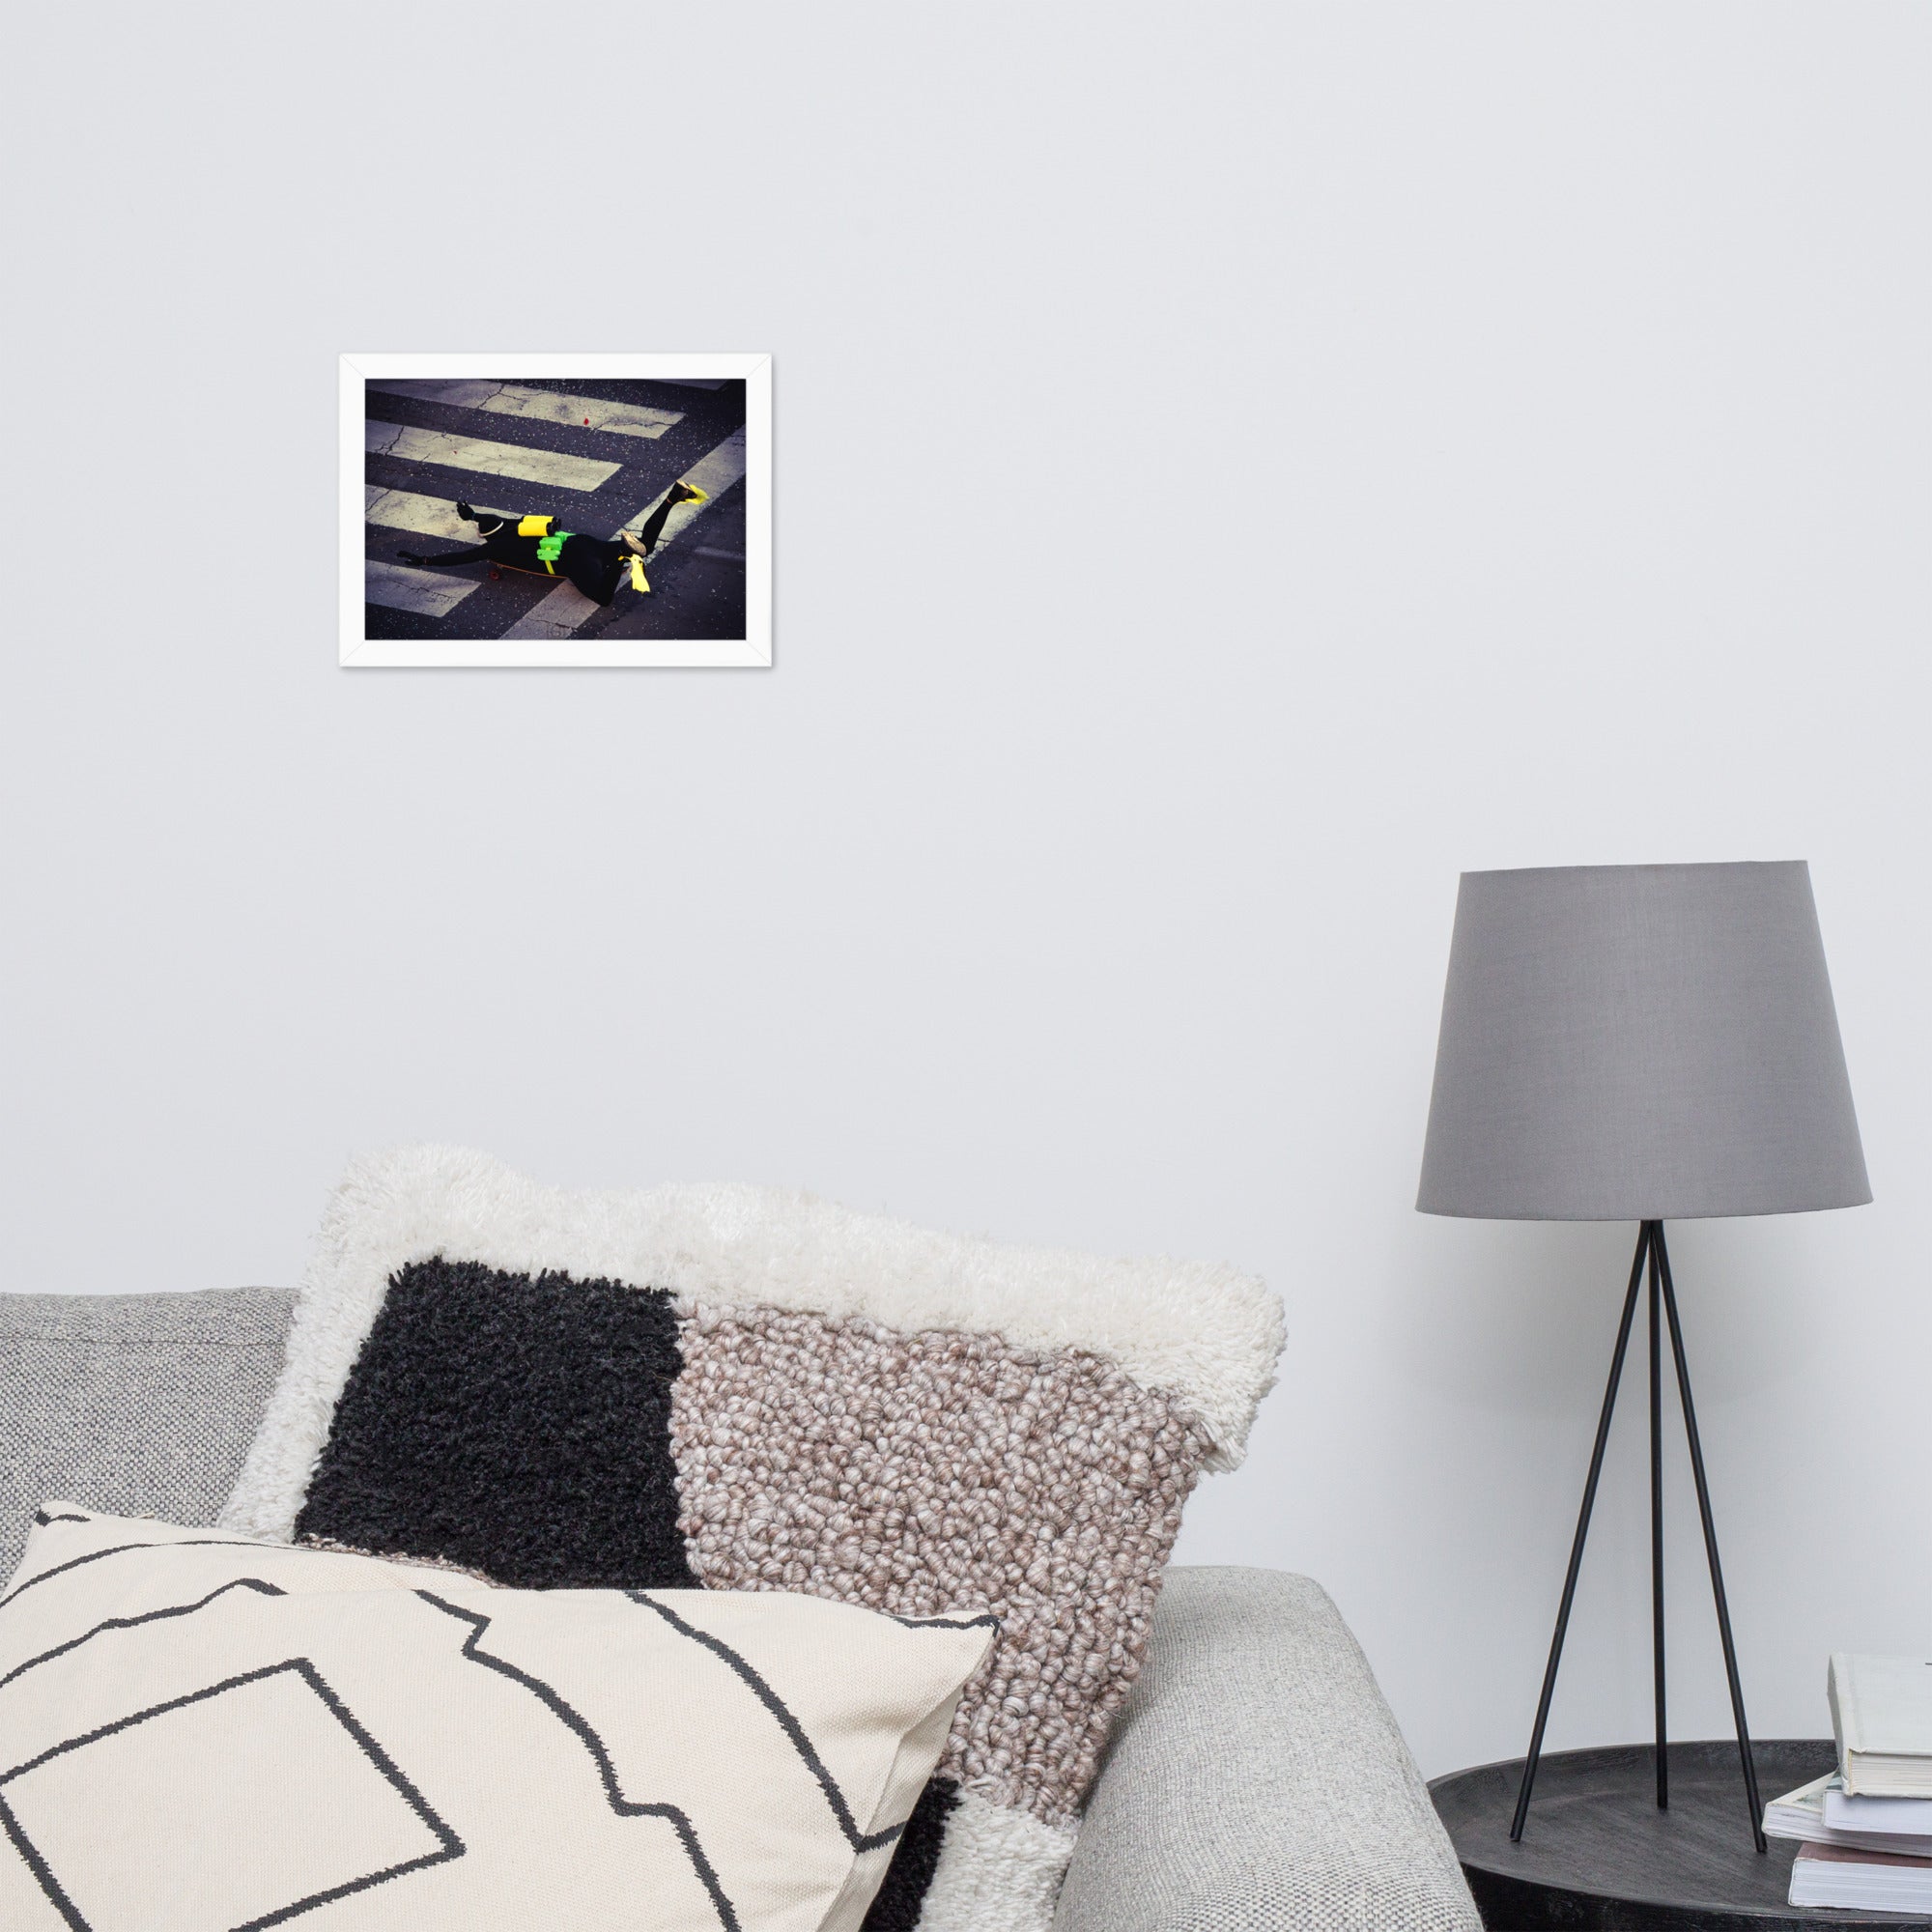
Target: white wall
x,y
1237,468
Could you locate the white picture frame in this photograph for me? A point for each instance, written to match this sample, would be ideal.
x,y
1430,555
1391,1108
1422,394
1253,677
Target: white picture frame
x,y
545,636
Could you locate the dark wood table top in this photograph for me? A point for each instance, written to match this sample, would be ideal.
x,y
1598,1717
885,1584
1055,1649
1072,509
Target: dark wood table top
x,y
1598,1856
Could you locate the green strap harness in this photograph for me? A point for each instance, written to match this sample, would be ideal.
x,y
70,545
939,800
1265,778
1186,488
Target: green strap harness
x,y
549,548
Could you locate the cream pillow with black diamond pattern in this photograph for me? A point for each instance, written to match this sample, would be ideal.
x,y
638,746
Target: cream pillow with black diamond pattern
x,y
201,1733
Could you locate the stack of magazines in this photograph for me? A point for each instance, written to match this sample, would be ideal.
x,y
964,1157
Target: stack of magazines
x,y
1866,1829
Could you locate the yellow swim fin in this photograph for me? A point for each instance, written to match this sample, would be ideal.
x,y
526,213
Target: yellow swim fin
x,y
638,581
694,494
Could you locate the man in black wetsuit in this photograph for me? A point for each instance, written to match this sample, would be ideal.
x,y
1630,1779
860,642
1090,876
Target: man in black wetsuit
x,y
595,565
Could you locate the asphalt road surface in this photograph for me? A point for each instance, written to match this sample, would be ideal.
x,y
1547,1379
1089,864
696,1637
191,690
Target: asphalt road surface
x,y
521,447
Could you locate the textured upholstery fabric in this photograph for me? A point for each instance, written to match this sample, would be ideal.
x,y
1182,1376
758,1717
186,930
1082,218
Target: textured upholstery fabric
x,y
835,1403
139,1405
1257,1782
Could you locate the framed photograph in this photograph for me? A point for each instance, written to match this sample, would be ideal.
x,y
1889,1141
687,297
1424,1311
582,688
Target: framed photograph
x,y
563,510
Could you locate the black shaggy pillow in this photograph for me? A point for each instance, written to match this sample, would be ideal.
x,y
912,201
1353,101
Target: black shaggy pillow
x,y
510,1424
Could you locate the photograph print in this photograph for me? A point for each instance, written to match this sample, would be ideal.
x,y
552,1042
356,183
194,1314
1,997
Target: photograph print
x,y
577,511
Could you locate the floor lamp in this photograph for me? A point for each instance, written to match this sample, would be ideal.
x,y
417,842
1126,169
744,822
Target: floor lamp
x,y
1640,1043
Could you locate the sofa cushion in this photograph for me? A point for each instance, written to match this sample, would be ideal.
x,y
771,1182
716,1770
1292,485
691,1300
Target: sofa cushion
x,y
141,1404
209,1732
751,1390
1258,1779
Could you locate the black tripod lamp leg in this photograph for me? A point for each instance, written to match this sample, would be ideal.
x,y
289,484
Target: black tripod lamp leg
x,y
1657,1519
1711,1546
1582,1531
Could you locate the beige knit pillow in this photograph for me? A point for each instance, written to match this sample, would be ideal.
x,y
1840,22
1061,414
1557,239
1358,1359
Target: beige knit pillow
x,y
750,1389
200,1733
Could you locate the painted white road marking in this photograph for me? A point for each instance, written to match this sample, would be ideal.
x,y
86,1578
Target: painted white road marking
x,y
561,613
567,610
490,459
509,399
427,592
405,510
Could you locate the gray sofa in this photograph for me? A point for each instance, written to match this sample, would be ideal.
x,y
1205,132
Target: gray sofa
x,y
1256,1780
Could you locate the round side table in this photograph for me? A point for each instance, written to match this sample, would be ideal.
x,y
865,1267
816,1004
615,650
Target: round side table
x,y
1598,1856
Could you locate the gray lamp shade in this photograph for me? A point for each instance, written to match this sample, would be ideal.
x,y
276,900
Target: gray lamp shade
x,y
1640,1042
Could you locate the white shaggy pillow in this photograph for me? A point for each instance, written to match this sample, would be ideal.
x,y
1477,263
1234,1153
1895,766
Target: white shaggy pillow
x,y
750,1389
200,1732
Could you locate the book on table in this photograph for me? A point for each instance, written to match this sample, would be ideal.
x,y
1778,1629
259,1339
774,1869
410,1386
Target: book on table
x,y
1859,1881
1901,1818
1882,1717
1820,1813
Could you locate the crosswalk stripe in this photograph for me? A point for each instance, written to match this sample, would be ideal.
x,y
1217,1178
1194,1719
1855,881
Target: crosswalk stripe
x,y
427,592
565,610
491,458
511,399
561,613
405,510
